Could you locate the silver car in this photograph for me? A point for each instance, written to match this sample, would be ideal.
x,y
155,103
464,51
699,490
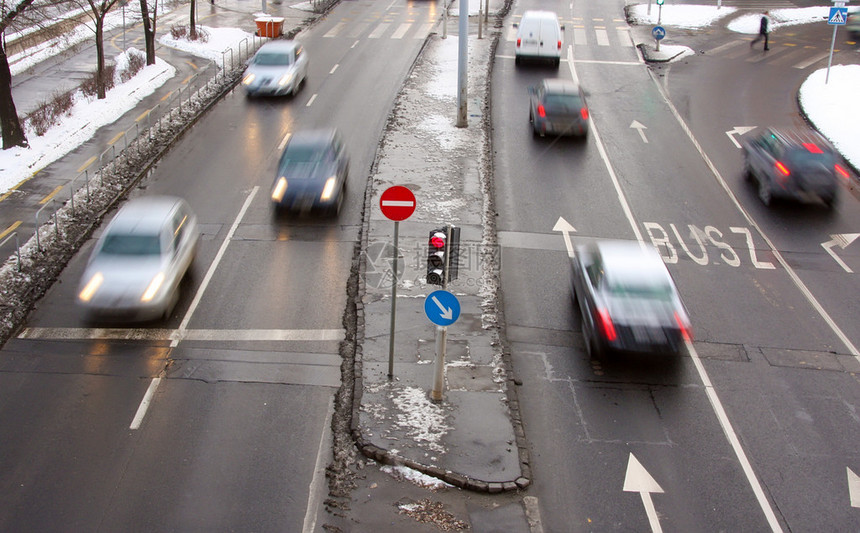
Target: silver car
x,y
138,262
279,67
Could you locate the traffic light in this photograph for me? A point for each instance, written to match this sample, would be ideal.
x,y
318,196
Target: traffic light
x,y
443,255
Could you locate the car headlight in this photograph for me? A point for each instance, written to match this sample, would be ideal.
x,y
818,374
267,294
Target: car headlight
x,y
91,287
280,189
328,189
153,288
249,79
285,79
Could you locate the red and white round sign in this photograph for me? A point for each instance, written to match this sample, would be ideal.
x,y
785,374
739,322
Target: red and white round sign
x,y
397,203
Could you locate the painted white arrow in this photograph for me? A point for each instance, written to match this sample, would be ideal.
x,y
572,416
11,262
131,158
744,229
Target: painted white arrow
x,y
842,240
447,312
853,488
641,129
739,130
565,228
639,480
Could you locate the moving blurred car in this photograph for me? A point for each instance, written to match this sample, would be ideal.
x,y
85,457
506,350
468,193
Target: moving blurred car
x,y
312,173
137,264
795,164
558,107
279,67
538,37
628,299
853,23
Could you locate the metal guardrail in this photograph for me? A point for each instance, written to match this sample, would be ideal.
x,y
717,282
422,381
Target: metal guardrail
x,y
17,246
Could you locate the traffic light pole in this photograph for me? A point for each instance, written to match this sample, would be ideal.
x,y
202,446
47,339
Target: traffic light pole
x,y
436,394
393,301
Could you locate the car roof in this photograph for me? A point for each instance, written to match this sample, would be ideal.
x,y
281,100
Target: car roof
x,y
800,137
279,45
540,14
558,85
144,215
631,260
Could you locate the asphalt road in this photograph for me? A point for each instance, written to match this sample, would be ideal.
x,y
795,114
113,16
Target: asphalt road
x,y
760,416
220,417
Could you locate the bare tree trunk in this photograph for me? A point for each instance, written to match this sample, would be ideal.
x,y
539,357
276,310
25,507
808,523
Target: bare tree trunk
x,y
149,30
101,91
13,132
193,23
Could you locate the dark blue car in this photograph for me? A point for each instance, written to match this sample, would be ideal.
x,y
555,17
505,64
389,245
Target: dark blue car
x,y
312,173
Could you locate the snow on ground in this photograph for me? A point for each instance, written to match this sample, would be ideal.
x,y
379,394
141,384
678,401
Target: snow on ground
x,y
220,40
835,122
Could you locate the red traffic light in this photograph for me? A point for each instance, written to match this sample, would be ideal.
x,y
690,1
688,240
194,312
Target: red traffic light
x,y
437,240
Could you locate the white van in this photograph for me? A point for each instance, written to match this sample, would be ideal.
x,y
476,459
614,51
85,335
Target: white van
x,y
539,37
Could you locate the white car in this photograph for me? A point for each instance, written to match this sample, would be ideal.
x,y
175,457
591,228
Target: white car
x,y
539,37
279,67
134,271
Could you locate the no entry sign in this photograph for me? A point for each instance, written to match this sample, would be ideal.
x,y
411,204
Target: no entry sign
x,y
397,203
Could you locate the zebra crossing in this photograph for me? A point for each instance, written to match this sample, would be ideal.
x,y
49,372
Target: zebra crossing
x,y
792,55
594,32
384,29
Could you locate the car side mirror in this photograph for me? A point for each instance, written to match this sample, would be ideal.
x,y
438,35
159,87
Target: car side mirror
x,y
516,25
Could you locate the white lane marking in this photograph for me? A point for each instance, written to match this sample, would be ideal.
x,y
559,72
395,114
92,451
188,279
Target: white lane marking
x,y
284,141
311,101
714,400
144,404
221,335
533,514
780,259
180,332
316,490
334,68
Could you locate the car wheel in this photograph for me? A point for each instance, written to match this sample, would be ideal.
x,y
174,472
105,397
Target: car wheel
x,y
591,347
517,60
764,192
531,117
830,201
556,62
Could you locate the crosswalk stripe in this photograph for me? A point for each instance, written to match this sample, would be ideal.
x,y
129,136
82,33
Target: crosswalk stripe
x,y
379,30
811,61
579,37
725,46
358,29
401,30
423,30
792,56
335,31
769,55
602,37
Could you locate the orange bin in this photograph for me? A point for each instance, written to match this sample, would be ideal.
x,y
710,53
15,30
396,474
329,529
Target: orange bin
x,y
270,26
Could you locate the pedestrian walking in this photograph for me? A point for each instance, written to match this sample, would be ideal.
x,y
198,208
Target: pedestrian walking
x,y
763,30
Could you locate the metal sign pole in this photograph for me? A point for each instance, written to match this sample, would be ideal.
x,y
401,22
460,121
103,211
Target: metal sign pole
x,y
394,255
830,58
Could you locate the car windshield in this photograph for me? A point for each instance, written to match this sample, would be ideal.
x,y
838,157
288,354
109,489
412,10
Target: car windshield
x,y
563,102
273,59
131,245
302,155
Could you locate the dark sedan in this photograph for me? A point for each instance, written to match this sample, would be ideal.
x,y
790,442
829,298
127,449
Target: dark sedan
x,y
628,299
557,107
312,173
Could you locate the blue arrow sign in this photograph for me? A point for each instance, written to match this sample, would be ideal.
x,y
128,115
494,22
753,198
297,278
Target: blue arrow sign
x,y
838,15
658,32
442,308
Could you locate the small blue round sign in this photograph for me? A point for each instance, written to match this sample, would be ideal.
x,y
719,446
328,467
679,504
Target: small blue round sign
x,y
442,308
658,32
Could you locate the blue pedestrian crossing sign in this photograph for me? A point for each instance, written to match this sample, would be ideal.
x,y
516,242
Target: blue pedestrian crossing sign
x,y
442,308
658,32
838,15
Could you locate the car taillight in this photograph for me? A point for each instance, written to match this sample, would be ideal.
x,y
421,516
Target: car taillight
x,y
541,111
841,171
559,44
584,113
519,42
813,148
783,171
684,327
604,323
